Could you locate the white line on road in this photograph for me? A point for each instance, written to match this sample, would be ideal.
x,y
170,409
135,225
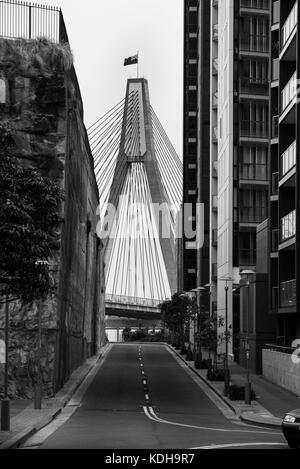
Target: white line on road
x,y
149,412
236,445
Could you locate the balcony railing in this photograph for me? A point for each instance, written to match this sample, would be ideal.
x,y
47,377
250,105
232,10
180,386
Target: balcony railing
x,y
215,65
254,86
275,240
215,135
288,226
214,272
289,92
247,257
288,293
215,237
276,13
274,183
215,31
256,172
275,69
290,24
288,159
255,43
253,214
256,4
275,120
215,203
256,129
215,100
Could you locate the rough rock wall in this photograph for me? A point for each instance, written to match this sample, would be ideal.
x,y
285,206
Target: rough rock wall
x,y
46,117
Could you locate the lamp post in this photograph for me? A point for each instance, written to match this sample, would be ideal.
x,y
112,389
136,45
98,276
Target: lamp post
x,y
38,386
226,368
247,345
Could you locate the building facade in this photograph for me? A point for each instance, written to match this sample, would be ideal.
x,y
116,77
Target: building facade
x,y
239,143
284,171
196,190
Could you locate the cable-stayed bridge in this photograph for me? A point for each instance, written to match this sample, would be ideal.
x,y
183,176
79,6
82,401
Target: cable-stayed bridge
x,y
139,176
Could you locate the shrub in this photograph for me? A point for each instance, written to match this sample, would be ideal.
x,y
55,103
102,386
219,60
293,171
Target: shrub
x,y
215,375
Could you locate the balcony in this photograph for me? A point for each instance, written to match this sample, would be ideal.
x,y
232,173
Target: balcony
x,y
275,240
276,12
215,32
254,129
255,172
214,272
254,86
253,214
288,293
247,257
274,183
215,66
214,237
215,203
275,70
290,25
215,100
288,159
255,43
255,4
288,226
289,93
275,120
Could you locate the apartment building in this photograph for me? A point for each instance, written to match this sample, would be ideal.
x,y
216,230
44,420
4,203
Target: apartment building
x,y
239,148
195,259
284,171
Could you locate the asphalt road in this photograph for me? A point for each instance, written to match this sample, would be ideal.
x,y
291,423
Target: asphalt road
x,y
141,397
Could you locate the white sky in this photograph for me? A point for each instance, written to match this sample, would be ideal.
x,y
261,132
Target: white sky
x,y
103,32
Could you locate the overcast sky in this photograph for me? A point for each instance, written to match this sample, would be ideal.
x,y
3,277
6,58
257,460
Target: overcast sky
x,y
103,32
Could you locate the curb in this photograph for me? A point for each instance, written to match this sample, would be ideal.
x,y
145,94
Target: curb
x,y
241,416
15,441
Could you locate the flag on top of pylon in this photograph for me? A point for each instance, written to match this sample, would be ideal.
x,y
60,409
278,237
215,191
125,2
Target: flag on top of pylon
x,y
131,60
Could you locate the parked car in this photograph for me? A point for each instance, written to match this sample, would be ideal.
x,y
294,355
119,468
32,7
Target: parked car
x,y
291,428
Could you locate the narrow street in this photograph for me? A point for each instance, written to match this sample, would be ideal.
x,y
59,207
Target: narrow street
x,y
141,397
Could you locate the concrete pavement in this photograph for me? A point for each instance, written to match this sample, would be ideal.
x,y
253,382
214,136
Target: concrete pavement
x,y
25,420
267,410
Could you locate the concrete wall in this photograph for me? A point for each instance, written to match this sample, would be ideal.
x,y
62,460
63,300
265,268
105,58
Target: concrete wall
x,y
279,368
46,116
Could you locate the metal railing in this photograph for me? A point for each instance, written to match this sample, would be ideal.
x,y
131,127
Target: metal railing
x,y
256,129
29,21
215,31
276,13
132,300
255,4
289,92
275,183
288,159
253,214
288,226
254,86
257,172
289,25
255,43
275,126
288,293
215,64
278,348
275,69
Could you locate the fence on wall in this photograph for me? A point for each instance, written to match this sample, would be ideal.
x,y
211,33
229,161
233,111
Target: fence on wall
x,y
26,20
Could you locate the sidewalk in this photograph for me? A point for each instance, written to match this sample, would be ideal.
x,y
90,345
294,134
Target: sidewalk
x,y
272,401
25,420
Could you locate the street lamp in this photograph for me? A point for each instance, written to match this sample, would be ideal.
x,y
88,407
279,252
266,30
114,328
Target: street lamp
x,y
226,369
38,386
247,346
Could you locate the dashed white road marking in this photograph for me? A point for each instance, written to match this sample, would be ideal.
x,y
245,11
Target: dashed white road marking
x,y
149,412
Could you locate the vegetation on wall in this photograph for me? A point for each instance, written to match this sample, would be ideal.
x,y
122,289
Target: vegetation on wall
x,y
38,57
29,216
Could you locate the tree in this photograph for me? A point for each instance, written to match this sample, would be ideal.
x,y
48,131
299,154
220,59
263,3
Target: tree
x,y
176,315
29,217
